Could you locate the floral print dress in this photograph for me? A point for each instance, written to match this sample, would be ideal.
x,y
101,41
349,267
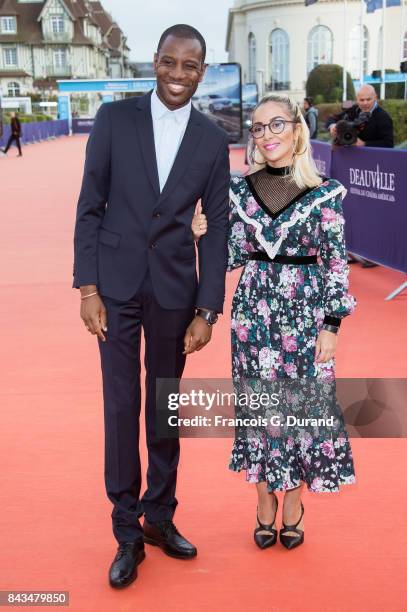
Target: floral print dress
x,y
277,313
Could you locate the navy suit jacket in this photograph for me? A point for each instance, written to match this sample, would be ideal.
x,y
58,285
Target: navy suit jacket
x,y
124,225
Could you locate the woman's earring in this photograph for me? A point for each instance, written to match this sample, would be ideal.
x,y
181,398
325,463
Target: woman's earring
x,y
296,152
254,157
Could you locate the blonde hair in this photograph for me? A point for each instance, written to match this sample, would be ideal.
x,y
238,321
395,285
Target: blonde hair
x,y
303,169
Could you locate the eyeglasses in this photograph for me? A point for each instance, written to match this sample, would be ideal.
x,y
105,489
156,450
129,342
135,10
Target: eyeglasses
x,y
276,126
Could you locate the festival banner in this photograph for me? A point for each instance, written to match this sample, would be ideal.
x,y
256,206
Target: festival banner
x,y
374,208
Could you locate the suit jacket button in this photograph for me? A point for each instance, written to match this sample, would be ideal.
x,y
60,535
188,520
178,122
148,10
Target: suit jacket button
x,y
157,214
153,245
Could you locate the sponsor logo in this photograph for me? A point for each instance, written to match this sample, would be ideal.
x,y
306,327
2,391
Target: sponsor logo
x,y
373,183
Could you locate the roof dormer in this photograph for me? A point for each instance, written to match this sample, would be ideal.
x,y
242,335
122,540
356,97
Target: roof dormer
x,y
57,22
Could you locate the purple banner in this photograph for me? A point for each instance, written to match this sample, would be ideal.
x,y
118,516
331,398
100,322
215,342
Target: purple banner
x,y
35,132
82,126
375,208
322,154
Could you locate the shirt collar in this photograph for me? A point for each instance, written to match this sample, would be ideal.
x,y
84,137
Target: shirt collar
x,y
159,110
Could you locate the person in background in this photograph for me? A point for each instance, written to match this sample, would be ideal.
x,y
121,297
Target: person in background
x,y
378,132
311,117
15,126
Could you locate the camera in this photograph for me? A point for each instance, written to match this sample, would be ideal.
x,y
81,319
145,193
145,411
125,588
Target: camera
x,y
347,131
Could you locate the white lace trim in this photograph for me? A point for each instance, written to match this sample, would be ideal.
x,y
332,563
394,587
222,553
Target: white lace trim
x,y
272,249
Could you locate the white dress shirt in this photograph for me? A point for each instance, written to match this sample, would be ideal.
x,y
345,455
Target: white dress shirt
x,y
169,129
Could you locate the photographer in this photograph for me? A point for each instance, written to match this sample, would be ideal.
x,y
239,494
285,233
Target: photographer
x,y
368,125
364,124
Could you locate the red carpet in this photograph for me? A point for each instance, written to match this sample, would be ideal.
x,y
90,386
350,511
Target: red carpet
x,y
55,518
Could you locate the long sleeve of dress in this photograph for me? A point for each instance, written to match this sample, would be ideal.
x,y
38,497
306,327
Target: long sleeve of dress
x,y
238,254
338,302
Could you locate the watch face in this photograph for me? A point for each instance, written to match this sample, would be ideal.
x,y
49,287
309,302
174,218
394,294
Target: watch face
x,y
213,317
210,317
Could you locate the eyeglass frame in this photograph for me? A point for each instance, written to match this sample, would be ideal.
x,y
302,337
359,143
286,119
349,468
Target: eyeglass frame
x,y
264,125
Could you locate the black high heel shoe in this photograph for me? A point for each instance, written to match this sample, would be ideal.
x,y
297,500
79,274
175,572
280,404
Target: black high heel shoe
x,y
264,540
292,541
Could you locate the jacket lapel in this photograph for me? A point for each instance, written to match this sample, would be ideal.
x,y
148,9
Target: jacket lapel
x,y
146,137
189,144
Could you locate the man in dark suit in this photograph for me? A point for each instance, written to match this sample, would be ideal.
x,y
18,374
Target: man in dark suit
x,y
148,161
15,127
378,131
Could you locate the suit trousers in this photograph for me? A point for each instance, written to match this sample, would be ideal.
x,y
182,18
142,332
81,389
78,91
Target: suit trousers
x,y
164,332
10,140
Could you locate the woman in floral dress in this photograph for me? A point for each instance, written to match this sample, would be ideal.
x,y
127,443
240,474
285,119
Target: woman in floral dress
x,y
286,311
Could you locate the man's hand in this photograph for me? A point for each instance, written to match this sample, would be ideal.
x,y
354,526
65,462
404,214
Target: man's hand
x,y
360,143
93,312
332,129
326,346
197,335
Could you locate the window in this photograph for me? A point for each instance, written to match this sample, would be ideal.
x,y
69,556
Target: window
x,y
8,25
252,58
354,51
58,24
13,89
60,58
279,51
405,47
10,56
320,47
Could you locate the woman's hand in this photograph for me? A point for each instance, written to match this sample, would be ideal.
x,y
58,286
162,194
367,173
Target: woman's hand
x,y
326,346
199,223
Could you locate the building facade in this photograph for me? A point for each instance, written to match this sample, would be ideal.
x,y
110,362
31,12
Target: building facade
x,y
143,70
279,42
42,41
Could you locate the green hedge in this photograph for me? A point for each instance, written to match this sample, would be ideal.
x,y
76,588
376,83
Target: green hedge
x,y
26,118
325,84
397,110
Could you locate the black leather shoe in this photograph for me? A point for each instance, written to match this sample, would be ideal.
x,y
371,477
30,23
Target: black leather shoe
x,y
165,535
265,540
123,570
292,541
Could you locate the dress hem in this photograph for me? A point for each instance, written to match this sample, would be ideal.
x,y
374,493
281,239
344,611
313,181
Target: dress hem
x,y
349,480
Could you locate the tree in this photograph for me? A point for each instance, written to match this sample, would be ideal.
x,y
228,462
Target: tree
x,y
326,82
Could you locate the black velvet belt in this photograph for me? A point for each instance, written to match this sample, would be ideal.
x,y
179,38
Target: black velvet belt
x,y
293,260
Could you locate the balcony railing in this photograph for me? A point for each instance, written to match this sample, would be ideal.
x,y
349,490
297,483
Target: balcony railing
x,y
59,71
57,37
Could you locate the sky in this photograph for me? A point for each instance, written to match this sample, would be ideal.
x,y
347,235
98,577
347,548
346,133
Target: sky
x,y
143,21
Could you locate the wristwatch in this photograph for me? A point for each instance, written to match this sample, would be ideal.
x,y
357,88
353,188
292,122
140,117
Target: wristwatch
x,y
210,316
